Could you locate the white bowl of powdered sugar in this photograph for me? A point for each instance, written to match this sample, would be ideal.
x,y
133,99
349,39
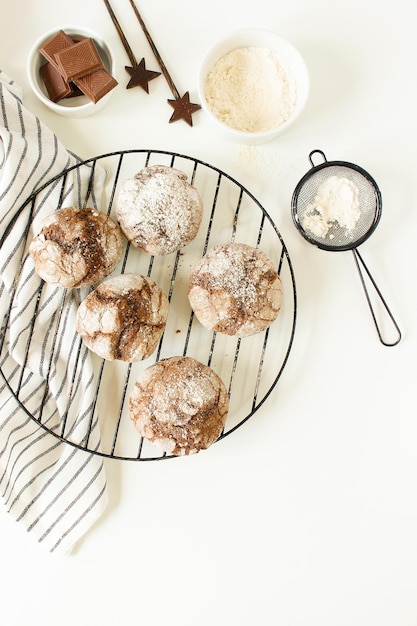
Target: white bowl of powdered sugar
x,y
253,84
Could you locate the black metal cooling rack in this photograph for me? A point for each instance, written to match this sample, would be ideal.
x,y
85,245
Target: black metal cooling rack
x,y
249,367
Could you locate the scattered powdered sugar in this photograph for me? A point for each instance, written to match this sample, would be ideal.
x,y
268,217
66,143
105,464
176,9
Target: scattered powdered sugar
x,y
234,269
185,397
250,90
336,203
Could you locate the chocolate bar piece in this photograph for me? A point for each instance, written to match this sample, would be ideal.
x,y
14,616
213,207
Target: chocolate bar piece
x,y
78,60
96,85
56,86
56,43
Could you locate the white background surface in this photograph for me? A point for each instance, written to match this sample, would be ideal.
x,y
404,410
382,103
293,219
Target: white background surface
x,y
307,515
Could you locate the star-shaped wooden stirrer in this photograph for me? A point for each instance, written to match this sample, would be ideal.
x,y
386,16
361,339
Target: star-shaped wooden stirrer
x,y
183,108
139,74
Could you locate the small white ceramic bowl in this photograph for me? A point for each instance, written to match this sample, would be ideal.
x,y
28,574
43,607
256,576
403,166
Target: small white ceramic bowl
x,y
288,58
79,106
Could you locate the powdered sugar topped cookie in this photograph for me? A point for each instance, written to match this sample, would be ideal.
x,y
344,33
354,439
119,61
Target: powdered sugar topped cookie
x,y
159,210
180,404
76,247
235,290
123,318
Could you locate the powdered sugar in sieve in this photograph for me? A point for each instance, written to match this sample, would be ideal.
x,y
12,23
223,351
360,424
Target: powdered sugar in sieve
x,y
337,206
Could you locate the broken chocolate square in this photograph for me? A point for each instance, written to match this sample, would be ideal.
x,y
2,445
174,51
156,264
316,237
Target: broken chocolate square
x,y
55,85
78,60
96,85
56,43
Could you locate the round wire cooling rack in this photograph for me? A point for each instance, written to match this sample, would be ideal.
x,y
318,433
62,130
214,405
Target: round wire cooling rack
x,y
250,367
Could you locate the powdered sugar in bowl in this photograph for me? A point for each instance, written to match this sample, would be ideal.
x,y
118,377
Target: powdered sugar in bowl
x,y
253,84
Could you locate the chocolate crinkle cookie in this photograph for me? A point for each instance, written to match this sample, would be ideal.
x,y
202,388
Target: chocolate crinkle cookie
x,y
123,318
179,404
235,290
76,247
158,210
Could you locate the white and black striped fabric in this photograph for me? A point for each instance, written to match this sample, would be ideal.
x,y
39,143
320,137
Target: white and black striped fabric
x,y
55,490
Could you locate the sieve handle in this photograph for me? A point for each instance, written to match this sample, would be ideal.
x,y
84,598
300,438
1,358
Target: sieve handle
x,y
359,261
310,157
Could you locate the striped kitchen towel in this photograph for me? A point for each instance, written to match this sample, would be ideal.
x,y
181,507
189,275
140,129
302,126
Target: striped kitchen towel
x,y
54,489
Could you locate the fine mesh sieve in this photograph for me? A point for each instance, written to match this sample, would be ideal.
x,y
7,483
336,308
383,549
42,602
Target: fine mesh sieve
x,y
336,206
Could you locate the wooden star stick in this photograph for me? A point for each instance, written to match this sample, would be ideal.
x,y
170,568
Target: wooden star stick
x,y
183,108
139,74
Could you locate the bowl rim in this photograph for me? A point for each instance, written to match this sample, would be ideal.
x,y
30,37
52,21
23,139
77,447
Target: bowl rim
x,y
263,36
33,69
